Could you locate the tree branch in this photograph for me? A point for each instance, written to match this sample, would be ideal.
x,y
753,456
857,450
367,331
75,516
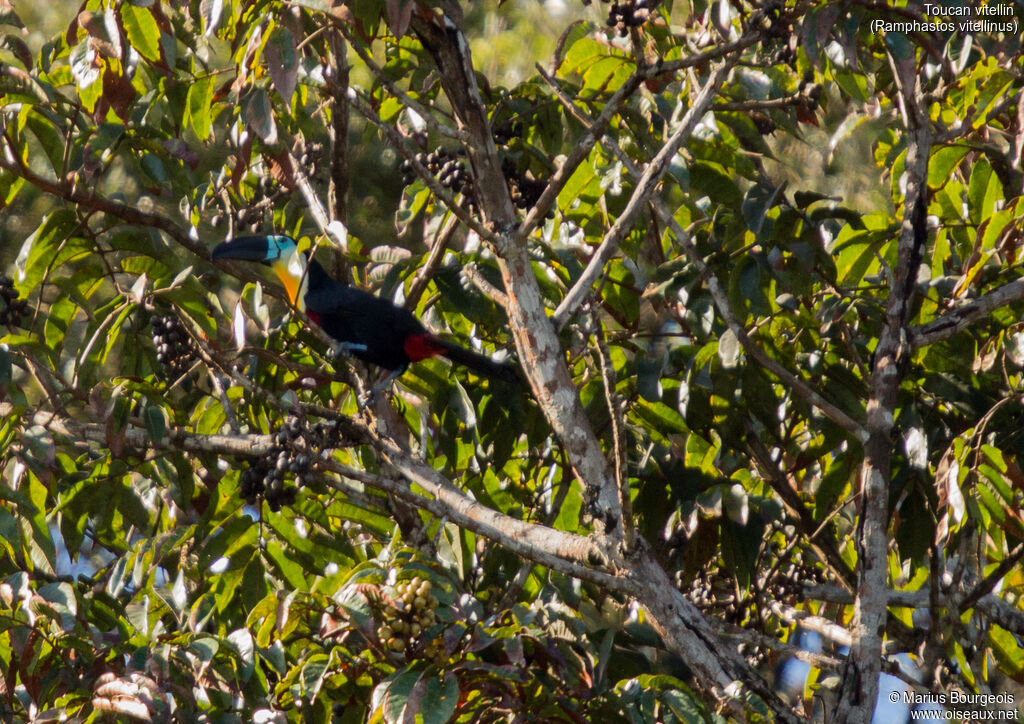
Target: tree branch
x,y
959,319
992,607
598,127
718,294
129,214
538,346
646,185
440,192
860,676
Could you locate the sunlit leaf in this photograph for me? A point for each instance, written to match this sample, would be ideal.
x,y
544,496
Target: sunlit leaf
x,y
142,31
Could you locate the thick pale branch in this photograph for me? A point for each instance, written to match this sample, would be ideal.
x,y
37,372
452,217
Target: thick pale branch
x,y
818,624
860,676
959,319
538,346
715,666
990,606
574,555
567,553
137,438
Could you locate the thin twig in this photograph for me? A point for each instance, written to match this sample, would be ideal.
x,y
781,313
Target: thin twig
x,y
598,127
618,433
408,101
646,185
425,272
720,298
472,272
398,142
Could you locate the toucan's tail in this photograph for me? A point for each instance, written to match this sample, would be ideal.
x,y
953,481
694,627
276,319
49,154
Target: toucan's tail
x,y
478,362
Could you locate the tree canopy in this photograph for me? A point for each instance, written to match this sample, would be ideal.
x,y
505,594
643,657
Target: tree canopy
x,y
755,261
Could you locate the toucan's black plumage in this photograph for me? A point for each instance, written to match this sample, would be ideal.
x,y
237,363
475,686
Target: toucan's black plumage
x,y
365,326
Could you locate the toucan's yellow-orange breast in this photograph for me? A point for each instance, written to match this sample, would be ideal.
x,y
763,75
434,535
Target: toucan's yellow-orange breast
x,y
291,276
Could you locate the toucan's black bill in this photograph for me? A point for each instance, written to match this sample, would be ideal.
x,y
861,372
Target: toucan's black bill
x,y
246,248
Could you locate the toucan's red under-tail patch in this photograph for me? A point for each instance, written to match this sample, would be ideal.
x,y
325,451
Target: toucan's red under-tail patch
x,y
421,346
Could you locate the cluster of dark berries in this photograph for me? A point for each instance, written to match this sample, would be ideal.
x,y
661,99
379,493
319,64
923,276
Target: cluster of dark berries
x,y
268,193
712,592
174,349
524,191
13,308
771,20
297,446
715,592
407,615
506,132
292,456
763,123
449,170
310,155
626,14
266,196
810,92
262,479
793,575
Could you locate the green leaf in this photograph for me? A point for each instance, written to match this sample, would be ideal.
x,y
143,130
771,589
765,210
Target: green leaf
x,y
440,699
313,673
156,423
197,107
44,248
942,163
855,85
142,31
210,11
154,169
244,643
259,114
391,696
899,45
85,69
205,648
1007,650
6,367
684,706
44,128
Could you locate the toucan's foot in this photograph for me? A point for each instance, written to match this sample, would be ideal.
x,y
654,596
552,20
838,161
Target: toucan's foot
x,y
347,348
365,399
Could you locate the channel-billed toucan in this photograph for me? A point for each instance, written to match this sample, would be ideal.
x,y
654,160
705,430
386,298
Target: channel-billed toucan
x,y
365,326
